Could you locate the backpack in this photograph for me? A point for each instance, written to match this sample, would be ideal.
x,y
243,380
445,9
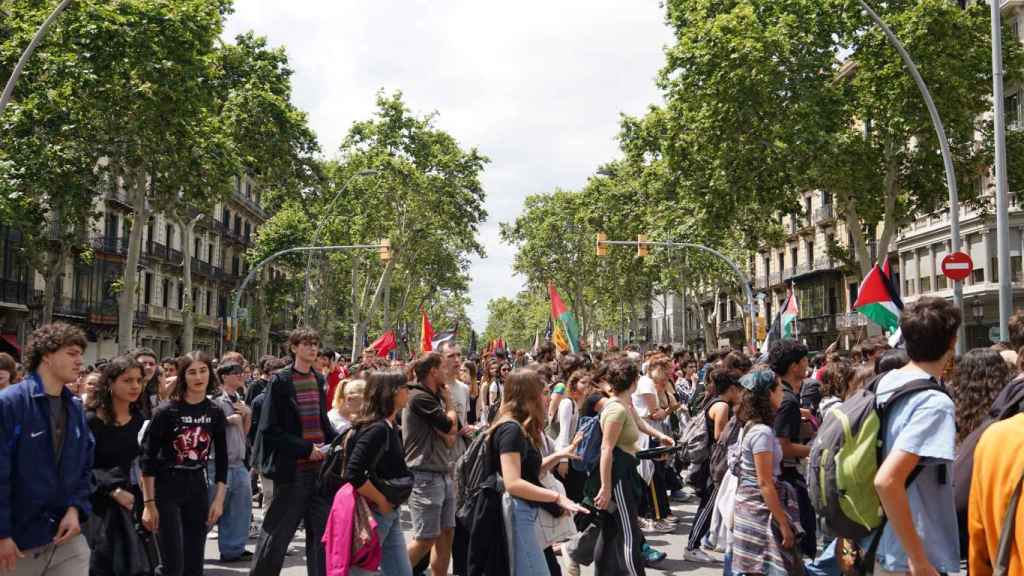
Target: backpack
x,y
1006,405
697,445
589,448
720,449
845,457
472,470
332,468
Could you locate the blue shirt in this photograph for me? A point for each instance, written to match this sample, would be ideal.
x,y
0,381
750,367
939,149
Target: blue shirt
x,y
923,424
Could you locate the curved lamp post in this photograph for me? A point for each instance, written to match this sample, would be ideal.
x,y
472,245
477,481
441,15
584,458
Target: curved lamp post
x,y
316,239
9,88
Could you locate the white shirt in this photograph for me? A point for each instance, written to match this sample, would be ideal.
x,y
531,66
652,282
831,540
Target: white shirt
x,y
644,386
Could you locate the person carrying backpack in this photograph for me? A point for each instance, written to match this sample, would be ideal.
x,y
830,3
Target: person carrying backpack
x,y
994,515
919,433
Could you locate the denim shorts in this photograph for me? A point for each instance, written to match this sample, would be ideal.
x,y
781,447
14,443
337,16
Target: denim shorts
x,y
432,504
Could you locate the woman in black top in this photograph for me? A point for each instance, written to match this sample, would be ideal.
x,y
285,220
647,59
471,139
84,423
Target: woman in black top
x,y
516,434
115,426
375,453
175,452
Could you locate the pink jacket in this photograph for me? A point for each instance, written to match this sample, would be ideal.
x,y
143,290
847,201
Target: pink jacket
x,y
350,539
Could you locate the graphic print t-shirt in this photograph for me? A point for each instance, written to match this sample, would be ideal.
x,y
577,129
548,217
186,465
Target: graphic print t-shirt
x,y
181,437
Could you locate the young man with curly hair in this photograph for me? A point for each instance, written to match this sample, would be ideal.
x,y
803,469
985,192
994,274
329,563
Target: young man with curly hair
x,y
46,453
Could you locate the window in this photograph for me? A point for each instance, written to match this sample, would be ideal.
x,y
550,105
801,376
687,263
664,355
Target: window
x,y
807,208
234,265
795,255
209,253
197,250
767,268
238,224
1012,109
181,296
248,231
227,217
782,262
166,296
810,252
826,198
209,302
148,291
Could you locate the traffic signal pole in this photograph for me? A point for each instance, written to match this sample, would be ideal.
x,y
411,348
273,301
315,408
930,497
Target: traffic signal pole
x,y
642,244
385,253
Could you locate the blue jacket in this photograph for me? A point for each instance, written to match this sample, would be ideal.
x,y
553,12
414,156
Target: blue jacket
x,y
35,492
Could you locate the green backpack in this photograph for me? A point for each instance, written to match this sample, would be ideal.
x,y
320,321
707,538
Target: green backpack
x,y
846,455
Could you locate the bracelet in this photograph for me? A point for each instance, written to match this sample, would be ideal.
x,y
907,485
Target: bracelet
x,y
148,501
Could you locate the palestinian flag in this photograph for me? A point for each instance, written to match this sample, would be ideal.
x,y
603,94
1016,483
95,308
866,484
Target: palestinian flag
x,y
878,300
564,321
426,333
790,312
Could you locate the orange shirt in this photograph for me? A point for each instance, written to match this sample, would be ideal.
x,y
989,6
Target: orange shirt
x,y
998,465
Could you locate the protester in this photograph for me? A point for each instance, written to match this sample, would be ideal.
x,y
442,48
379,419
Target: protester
x,y
376,458
115,425
516,434
89,387
346,404
233,526
292,430
46,459
998,469
980,375
568,416
8,370
621,547
177,446
835,380
490,390
430,428
920,536
764,501
788,359
724,396
655,505
150,378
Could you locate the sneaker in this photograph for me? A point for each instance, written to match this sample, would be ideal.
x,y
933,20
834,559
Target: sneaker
x,y
699,556
652,556
657,526
672,519
245,556
645,524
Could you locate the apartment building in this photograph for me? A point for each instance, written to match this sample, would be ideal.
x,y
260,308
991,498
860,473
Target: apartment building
x,y
87,291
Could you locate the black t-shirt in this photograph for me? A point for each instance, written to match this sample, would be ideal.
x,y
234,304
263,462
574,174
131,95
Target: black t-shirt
x,y
787,421
116,446
181,435
510,437
366,444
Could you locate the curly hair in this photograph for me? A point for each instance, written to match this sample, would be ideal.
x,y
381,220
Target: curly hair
x,y
104,399
980,375
784,354
836,378
757,406
737,361
50,338
621,374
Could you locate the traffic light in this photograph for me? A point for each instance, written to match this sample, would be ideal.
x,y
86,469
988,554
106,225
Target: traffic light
x,y
641,245
385,250
602,248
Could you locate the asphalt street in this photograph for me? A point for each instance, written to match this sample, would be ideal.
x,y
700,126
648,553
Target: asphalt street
x,y
673,544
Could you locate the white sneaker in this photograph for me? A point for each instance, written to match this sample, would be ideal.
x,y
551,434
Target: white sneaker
x,y
664,527
699,556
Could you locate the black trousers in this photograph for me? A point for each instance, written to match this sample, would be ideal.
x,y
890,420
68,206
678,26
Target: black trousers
x,y
294,502
619,549
809,543
183,505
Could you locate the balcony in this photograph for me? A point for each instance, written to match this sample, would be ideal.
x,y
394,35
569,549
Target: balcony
x,y
174,257
72,308
817,324
118,196
13,292
824,215
141,314
200,267
851,321
158,250
103,313
250,205
824,263
733,326
173,315
111,246
762,281
157,312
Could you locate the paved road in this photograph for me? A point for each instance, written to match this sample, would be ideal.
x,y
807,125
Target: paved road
x,y
670,543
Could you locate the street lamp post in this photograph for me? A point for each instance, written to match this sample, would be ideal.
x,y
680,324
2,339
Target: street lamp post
x,y
744,279
316,240
384,246
8,92
947,157
999,172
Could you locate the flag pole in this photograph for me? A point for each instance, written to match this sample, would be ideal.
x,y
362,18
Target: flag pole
x,y
796,319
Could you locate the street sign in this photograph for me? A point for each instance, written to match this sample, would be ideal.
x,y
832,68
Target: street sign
x,y
957,266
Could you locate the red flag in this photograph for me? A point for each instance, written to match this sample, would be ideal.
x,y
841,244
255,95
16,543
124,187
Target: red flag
x,y
385,344
611,342
426,333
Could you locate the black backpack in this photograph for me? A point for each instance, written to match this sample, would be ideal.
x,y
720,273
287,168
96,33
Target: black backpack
x,y
332,469
719,460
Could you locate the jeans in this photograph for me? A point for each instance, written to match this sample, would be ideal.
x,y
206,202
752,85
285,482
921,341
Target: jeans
x,y
181,501
825,564
395,560
528,559
233,527
294,502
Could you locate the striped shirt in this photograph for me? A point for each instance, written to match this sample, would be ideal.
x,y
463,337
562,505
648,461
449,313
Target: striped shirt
x,y
307,395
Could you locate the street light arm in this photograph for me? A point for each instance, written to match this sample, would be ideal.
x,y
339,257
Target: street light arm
x,y
40,34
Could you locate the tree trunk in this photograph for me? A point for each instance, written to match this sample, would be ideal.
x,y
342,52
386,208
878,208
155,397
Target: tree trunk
x,y
188,311
126,299
53,271
892,189
860,247
361,326
356,349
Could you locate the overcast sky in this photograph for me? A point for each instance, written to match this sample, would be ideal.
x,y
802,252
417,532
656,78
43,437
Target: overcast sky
x,y
537,86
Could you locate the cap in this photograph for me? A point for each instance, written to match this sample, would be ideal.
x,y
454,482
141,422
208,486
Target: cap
x,y
758,382
228,368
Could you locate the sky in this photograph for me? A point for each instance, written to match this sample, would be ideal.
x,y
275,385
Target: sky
x,y
537,86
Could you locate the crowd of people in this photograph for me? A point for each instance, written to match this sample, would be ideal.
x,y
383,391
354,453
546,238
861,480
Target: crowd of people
x,y
507,463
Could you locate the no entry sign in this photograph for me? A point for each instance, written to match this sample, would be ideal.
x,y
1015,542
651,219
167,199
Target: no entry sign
x,y
957,266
